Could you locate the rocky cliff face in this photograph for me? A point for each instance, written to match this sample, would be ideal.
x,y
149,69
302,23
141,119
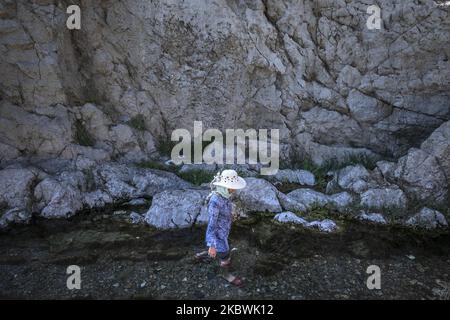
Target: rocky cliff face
x,y
75,105
139,69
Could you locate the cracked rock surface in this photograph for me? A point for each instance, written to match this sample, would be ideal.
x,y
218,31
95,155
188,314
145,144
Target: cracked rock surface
x,y
78,108
309,68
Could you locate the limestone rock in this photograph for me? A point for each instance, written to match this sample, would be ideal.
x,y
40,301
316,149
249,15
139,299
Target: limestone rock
x,y
209,168
341,201
259,196
290,217
127,182
309,69
428,219
290,204
387,169
438,145
14,216
175,208
420,174
301,177
309,198
382,198
137,218
8,152
57,199
372,217
96,199
353,178
326,225
16,186
332,88
365,108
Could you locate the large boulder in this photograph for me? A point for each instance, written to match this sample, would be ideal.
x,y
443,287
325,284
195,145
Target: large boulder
x,y
383,198
96,199
129,182
341,201
421,175
71,186
116,180
259,196
16,188
309,198
14,216
290,204
386,168
61,197
354,178
176,208
438,145
290,217
428,219
372,217
301,177
325,225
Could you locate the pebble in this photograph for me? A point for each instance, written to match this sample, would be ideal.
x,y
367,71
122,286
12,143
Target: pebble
x,y
420,268
411,257
115,285
143,284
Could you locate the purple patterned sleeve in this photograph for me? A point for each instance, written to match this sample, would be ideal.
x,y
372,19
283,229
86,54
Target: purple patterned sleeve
x,y
213,214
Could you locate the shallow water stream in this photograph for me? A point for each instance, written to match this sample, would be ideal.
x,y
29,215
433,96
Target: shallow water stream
x,y
121,260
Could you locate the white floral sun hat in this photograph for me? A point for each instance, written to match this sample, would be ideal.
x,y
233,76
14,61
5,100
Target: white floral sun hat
x,y
229,179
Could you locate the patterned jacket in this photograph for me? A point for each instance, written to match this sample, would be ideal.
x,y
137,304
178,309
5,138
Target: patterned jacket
x,y
219,223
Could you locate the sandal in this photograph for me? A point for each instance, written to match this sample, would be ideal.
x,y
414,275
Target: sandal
x,y
234,280
225,263
202,257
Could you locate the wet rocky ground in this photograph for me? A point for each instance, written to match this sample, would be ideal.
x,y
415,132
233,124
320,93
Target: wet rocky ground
x,y
120,260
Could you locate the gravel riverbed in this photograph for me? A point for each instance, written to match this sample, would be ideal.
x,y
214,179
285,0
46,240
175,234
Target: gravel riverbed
x,y
119,260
